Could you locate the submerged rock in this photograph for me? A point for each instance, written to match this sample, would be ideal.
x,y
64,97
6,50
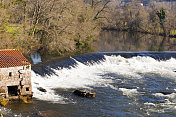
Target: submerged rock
x,y
83,93
91,95
42,89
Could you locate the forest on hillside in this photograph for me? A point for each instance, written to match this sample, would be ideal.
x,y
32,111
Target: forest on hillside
x,y
60,27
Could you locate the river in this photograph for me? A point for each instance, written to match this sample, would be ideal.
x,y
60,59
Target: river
x,y
132,75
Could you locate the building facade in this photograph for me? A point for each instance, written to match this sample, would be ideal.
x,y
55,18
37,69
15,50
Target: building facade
x,y
15,75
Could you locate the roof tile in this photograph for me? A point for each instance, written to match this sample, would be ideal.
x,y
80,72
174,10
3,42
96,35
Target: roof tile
x,y
12,58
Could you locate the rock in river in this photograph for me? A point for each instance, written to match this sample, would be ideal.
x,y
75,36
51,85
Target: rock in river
x,y
83,93
42,89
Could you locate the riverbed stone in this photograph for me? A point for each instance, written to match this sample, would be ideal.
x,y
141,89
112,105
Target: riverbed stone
x,y
42,89
86,94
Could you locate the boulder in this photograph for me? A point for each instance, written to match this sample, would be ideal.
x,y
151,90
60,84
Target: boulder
x,y
91,94
84,93
42,89
80,93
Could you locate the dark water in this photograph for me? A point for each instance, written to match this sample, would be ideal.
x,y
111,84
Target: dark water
x,y
122,41
128,83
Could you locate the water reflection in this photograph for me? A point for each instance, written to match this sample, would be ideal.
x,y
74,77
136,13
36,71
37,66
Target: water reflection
x,y
123,41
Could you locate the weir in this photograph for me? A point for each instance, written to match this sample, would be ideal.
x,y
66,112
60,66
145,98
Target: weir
x,y
47,68
87,70
155,55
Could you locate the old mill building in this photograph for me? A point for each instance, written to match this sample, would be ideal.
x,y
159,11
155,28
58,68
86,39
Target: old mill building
x,y
15,75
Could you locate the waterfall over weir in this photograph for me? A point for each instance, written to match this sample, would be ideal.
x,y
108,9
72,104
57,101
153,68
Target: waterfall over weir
x,y
89,70
45,68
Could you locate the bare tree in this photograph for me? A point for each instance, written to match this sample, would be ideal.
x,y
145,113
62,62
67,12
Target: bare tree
x,y
54,26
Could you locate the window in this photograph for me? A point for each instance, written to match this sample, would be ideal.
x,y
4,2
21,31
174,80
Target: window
x,y
10,74
27,88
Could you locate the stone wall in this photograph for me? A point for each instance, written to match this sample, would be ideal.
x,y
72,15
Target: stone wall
x,y
16,76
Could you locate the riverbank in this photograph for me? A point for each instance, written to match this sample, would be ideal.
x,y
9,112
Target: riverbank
x,y
135,31
115,40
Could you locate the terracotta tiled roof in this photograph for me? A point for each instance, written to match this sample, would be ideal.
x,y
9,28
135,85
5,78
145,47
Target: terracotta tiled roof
x,y
12,58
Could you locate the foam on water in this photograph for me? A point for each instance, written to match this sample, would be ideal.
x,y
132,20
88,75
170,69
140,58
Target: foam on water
x,y
88,76
128,92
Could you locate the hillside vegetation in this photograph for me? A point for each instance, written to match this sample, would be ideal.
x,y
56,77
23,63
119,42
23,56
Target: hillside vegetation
x,y
55,27
60,27
155,17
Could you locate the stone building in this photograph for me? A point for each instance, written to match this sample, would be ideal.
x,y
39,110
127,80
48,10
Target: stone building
x,y
15,75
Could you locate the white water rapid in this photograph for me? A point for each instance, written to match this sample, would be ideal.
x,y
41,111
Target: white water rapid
x,y
87,76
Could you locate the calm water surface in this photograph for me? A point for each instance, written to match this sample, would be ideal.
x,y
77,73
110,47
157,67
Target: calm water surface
x,y
122,41
129,83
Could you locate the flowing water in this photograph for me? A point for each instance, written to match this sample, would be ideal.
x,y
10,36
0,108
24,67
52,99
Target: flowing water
x,y
132,84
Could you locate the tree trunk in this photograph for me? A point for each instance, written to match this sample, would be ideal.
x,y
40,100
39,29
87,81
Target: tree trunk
x,y
164,30
92,3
